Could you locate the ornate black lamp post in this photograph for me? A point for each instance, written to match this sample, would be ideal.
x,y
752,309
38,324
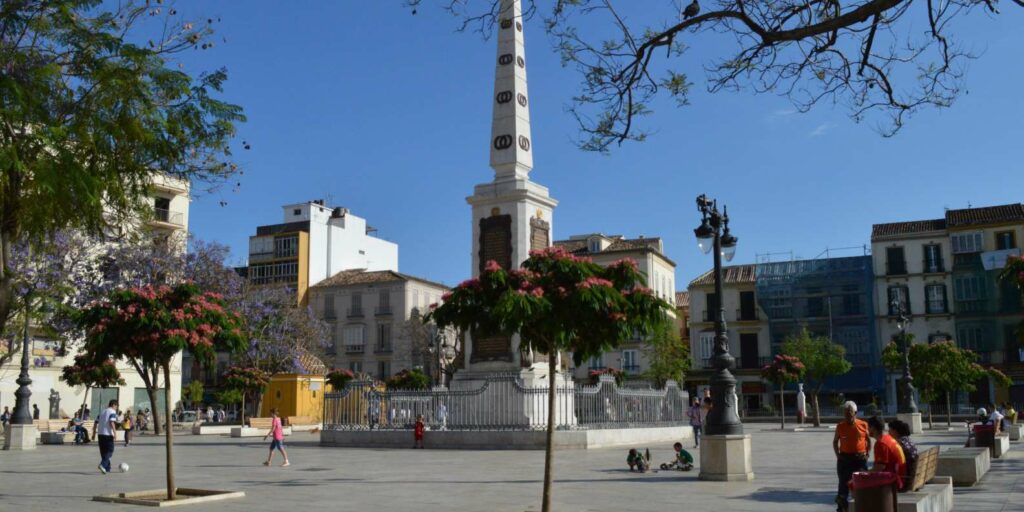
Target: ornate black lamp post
x,y
22,409
907,404
713,234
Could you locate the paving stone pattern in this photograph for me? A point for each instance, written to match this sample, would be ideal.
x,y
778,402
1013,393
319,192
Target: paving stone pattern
x,y
795,471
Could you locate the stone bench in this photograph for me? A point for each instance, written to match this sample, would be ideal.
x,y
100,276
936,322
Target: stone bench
x,y
57,437
965,465
1016,432
934,496
1001,446
302,423
255,432
208,429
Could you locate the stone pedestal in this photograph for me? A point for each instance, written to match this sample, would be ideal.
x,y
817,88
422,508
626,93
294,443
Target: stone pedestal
x,y
912,419
21,437
726,458
1015,432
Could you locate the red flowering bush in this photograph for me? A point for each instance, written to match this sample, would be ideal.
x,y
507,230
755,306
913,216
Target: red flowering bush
x,y
338,378
246,379
783,369
618,375
83,372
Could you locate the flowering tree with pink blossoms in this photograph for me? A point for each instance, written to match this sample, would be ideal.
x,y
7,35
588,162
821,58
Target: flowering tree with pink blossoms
x,y
557,303
148,326
783,369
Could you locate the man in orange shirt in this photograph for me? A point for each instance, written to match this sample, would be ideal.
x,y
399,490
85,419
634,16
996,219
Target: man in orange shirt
x,y
851,444
888,452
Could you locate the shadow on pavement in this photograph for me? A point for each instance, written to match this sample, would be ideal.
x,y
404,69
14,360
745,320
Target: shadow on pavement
x,y
789,495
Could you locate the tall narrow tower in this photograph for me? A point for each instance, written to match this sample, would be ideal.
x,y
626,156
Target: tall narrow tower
x,y
511,214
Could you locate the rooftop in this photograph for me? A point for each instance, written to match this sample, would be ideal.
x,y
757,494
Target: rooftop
x,y
907,228
735,274
578,244
360,276
964,217
682,299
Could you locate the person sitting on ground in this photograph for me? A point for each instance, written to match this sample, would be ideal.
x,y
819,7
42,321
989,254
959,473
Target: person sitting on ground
x,y
888,454
683,458
636,461
900,430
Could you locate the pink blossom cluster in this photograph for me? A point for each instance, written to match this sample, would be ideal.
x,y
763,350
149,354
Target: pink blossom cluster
x,y
470,283
492,266
625,262
593,281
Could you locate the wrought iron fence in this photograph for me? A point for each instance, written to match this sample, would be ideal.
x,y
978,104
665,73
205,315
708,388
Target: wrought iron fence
x,y
504,402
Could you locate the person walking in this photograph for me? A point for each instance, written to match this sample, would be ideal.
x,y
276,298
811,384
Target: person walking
x,y
696,421
276,430
851,445
104,428
4,419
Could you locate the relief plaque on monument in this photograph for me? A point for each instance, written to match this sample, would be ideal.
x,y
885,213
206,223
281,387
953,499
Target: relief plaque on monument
x,y
495,244
540,231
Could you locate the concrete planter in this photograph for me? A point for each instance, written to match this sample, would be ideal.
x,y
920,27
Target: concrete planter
x,y
158,497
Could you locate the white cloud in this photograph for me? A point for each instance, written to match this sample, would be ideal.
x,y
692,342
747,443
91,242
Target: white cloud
x,y
821,129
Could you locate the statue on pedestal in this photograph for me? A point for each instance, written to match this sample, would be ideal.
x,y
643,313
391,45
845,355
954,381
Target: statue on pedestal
x,y
54,404
801,404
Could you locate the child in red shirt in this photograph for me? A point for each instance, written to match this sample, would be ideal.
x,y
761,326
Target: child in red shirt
x,y
418,432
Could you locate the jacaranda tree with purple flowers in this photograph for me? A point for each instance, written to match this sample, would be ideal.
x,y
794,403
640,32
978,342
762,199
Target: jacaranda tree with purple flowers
x,y
279,331
557,303
148,326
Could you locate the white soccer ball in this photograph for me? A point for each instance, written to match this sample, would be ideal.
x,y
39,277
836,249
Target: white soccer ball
x,y
123,467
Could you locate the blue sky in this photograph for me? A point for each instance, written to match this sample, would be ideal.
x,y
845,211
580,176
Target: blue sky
x,y
388,114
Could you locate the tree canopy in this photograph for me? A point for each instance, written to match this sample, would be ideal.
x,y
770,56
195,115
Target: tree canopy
x,y
92,104
883,59
668,357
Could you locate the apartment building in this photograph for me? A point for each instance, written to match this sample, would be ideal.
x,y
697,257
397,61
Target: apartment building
x,y
649,254
945,273
314,242
369,314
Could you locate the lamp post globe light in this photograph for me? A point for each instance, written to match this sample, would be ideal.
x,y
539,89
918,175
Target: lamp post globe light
x,y
713,234
907,404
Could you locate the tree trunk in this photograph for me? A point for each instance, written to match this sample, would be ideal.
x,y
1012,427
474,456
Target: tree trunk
x,y
85,400
152,393
782,405
549,449
242,414
169,439
6,284
817,411
949,412
931,425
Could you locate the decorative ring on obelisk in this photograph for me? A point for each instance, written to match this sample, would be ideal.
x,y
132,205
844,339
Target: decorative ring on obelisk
x,y
504,97
524,143
519,26
521,98
503,142
506,23
505,59
521,62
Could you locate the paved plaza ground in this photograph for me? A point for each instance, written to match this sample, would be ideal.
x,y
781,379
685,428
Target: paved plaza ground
x,y
794,472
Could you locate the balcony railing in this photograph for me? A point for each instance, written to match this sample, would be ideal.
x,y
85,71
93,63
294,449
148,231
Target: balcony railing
x,y
383,310
355,349
933,266
355,312
896,268
750,316
710,316
168,216
382,348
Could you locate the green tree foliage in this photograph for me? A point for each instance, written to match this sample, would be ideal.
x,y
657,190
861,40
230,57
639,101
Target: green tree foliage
x,y
408,379
667,355
557,303
1013,272
149,326
92,101
85,372
781,370
250,382
194,392
821,358
229,396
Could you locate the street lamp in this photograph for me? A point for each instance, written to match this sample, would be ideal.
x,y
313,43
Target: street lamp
x,y
22,409
713,234
907,404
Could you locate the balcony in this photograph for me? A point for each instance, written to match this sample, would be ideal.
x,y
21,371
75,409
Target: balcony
x,y
969,259
896,268
932,266
355,349
165,216
750,316
330,314
382,348
710,316
355,312
971,307
383,310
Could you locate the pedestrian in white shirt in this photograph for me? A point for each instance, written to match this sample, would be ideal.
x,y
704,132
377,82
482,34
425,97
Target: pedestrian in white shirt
x,y
104,428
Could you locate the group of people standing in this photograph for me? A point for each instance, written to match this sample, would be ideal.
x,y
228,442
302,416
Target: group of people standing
x,y
698,415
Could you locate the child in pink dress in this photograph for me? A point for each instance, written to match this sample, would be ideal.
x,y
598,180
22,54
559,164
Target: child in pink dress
x,y
277,430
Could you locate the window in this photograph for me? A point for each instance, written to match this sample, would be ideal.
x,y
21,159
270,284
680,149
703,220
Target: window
x,y
286,272
596,363
899,296
383,337
354,335
779,304
286,246
706,349
712,312
968,288
297,211
329,306
355,366
935,298
964,243
748,309
384,302
630,362
357,305
816,306
895,263
383,369
937,337
595,245
851,305
1004,240
933,258
973,337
